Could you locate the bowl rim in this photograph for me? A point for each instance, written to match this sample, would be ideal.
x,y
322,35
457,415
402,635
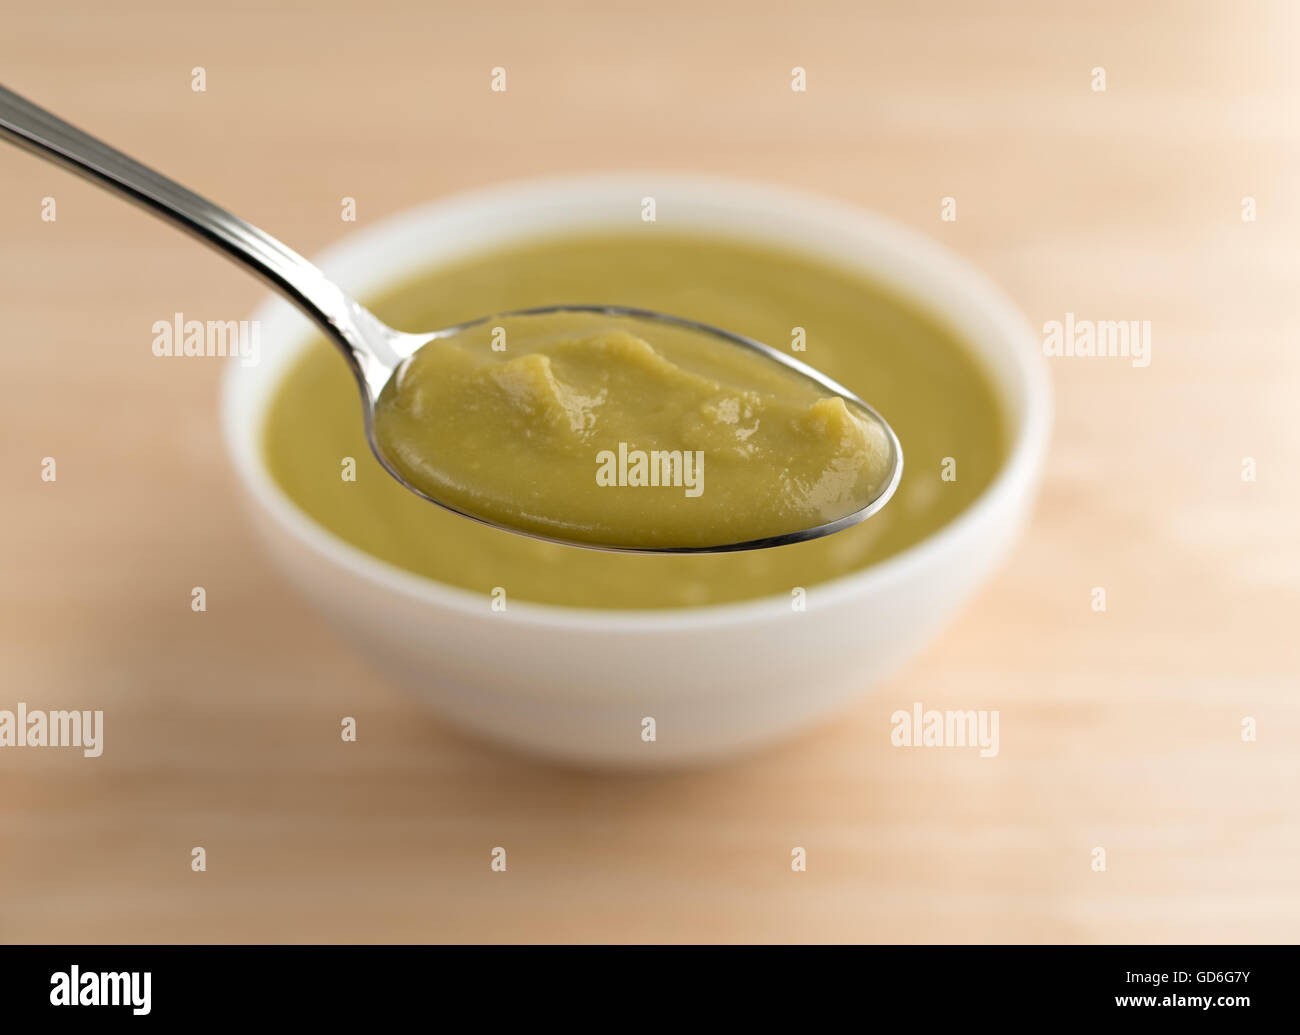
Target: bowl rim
x,y
243,419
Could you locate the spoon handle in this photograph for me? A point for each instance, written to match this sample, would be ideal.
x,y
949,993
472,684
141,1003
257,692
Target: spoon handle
x,y
47,136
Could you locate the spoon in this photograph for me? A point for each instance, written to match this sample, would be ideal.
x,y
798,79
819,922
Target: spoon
x,y
373,350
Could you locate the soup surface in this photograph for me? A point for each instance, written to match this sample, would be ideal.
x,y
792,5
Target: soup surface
x,y
933,392
572,425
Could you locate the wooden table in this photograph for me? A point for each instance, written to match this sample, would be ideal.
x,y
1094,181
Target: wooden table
x,y
1119,730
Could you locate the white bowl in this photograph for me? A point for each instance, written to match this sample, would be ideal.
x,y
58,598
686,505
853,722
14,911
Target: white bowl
x,y
574,684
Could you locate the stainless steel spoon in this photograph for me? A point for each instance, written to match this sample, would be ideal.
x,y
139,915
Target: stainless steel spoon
x,y
373,349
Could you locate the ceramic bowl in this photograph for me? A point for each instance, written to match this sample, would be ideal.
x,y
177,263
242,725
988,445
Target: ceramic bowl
x,y
575,684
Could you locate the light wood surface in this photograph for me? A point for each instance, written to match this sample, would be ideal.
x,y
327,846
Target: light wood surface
x,y
1120,730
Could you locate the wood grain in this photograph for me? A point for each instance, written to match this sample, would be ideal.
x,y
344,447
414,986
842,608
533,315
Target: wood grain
x,y
1120,730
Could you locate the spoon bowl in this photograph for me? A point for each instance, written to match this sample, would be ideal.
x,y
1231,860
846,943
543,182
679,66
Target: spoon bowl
x,y
633,319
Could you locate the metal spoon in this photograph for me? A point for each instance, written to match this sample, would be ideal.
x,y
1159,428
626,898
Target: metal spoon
x,y
373,349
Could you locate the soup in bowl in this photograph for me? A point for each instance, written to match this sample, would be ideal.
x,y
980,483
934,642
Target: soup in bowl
x,y
631,659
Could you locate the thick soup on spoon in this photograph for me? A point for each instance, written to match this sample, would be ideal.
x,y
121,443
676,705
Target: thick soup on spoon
x,y
571,425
